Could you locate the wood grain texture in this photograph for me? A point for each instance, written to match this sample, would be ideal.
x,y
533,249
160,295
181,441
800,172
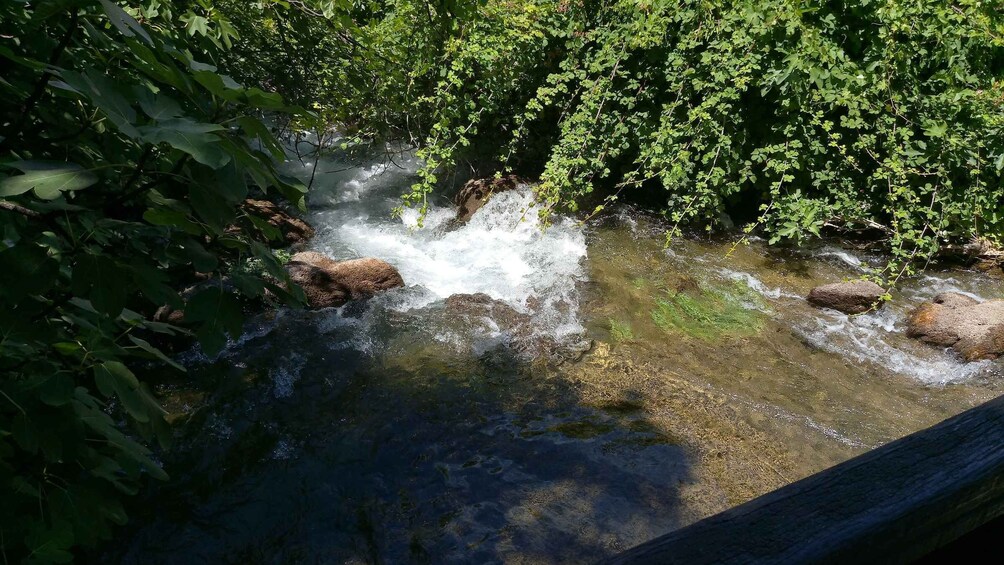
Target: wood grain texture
x,y
891,505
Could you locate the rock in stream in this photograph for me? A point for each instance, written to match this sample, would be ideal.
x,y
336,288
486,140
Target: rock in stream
x,y
974,329
328,283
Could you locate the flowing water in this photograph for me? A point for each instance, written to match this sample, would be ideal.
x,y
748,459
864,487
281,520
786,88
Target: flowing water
x,y
660,386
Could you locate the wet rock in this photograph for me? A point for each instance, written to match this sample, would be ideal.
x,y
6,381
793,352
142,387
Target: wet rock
x,y
481,306
974,329
518,328
853,297
294,231
476,192
327,282
992,266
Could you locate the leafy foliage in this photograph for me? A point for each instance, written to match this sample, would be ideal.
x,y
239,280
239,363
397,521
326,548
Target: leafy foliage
x,y
125,157
847,114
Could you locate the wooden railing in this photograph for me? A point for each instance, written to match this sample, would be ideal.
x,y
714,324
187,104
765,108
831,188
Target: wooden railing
x,y
893,504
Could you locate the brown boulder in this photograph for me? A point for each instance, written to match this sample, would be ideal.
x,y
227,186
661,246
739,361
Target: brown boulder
x,y
853,297
476,192
295,232
327,282
972,328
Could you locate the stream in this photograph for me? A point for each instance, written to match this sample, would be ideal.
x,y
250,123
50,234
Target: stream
x,y
642,388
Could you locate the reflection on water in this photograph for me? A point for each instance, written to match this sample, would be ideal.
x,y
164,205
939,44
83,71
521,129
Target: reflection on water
x,y
399,430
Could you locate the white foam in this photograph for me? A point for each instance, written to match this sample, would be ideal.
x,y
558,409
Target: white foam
x,y
756,285
879,337
843,256
286,374
501,252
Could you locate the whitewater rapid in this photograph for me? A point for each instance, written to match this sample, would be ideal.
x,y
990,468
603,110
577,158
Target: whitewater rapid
x,y
501,252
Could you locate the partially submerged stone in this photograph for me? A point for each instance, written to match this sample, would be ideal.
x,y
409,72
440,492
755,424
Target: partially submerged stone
x,y
517,330
482,306
476,192
852,297
327,282
974,329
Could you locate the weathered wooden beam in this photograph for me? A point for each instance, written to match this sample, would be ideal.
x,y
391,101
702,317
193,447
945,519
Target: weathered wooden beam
x,y
893,504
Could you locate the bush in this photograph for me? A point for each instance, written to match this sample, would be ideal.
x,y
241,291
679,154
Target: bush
x,y
125,156
797,116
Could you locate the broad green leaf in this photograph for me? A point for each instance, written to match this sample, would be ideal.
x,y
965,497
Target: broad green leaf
x,y
103,281
173,218
255,129
153,283
219,85
108,96
57,390
48,178
195,138
211,207
51,545
201,259
145,346
936,129
160,107
113,375
26,269
219,312
125,23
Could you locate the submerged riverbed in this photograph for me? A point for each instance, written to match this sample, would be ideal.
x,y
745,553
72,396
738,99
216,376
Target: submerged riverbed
x,y
659,386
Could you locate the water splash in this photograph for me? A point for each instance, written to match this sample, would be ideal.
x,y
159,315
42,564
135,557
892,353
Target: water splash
x,y
502,252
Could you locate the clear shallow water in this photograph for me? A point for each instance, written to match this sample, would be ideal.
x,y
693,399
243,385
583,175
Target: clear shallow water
x,y
398,431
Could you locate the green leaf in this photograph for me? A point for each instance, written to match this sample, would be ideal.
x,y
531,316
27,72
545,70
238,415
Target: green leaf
x,y
48,178
125,23
145,346
210,205
103,281
936,129
114,376
172,218
255,129
51,545
219,85
57,390
219,312
153,283
195,138
106,95
201,259
26,269
160,107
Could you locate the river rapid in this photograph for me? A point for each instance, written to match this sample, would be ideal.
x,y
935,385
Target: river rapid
x,y
666,384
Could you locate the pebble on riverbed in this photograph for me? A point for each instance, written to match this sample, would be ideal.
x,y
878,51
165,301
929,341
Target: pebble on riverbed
x,y
852,297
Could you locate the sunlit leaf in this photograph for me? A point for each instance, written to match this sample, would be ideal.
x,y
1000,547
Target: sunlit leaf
x,y
48,178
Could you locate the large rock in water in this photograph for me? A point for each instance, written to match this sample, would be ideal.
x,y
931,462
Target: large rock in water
x,y
854,297
295,232
327,282
476,192
972,328
481,306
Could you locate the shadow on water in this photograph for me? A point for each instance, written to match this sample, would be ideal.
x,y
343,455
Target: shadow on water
x,y
310,451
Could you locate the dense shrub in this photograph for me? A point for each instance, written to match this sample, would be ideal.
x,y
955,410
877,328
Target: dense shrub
x,y
885,115
124,157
